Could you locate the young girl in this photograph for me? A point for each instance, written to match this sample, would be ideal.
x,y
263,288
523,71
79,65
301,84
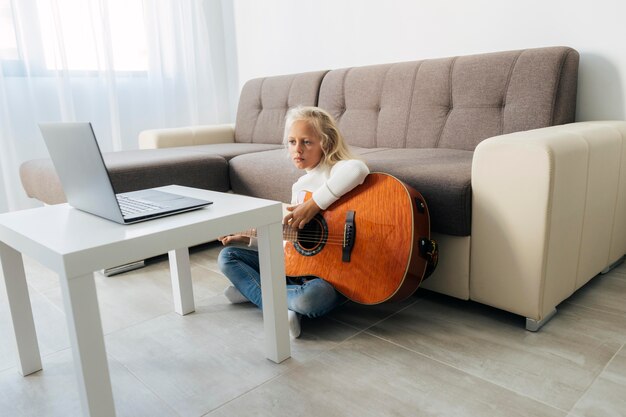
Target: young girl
x,y
316,146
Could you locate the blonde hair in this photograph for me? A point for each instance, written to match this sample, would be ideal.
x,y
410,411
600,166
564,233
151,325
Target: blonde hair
x,y
333,144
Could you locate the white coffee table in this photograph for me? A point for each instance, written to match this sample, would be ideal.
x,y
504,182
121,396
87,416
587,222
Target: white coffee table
x,y
75,244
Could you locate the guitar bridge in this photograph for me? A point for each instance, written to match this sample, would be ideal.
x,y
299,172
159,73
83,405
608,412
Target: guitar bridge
x,y
349,236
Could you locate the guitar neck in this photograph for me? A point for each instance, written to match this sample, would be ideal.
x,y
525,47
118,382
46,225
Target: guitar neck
x,y
290,234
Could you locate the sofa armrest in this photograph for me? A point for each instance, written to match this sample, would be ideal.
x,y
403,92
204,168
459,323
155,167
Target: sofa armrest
x,y
186,136
548,214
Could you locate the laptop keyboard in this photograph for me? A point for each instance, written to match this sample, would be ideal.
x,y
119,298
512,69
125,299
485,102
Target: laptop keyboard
x,y
131,206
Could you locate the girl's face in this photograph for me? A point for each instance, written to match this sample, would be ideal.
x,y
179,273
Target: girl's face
x,y
305,147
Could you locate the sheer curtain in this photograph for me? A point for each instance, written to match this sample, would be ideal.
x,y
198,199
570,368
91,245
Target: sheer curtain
x,y
124,65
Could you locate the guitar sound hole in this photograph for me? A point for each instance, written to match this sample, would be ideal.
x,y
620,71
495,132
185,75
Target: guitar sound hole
x,y
312,238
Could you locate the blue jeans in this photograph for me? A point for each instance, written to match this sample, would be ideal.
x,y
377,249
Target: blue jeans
x,y
309,297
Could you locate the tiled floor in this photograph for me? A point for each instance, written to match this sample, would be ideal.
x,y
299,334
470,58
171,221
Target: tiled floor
x,y
428,356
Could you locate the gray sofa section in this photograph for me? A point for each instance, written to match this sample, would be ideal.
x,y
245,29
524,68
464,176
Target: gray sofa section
x,y
452,102
135,170
264,102
419,121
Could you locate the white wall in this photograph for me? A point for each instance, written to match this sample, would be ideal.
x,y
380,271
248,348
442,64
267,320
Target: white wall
x,y
285,36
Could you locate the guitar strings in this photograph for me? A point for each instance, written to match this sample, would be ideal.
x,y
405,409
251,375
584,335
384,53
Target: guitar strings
x,y
305,236
308,235
319,238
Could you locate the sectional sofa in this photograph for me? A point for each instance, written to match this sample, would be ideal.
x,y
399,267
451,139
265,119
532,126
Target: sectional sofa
x,y
527,206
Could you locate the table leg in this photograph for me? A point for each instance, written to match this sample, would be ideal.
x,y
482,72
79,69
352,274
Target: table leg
x,y
29,358
273,291
182,286
85,331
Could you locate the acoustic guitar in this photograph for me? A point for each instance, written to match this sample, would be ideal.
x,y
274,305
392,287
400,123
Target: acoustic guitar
x,y
373,244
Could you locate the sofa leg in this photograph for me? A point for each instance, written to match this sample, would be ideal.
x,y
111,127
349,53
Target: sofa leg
x,y
534,325
613,265
108,272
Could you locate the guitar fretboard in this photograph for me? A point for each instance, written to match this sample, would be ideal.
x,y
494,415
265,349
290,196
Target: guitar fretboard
x,y
289,233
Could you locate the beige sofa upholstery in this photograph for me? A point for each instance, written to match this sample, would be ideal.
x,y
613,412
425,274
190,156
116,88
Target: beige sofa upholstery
x,y
549,210
526,205
187,136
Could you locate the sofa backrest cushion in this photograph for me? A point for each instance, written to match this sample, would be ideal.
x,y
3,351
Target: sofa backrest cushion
x,y
264,102
452,102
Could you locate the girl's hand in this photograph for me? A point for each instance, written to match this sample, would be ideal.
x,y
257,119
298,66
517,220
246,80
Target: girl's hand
x,y
301,214
234,239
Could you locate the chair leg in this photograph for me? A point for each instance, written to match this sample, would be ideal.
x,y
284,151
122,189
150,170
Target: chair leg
x,y
533,325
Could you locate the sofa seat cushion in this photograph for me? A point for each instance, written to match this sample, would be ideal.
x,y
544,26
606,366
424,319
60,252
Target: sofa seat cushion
x,y
135,170
270,174
230,150
442,176
267,174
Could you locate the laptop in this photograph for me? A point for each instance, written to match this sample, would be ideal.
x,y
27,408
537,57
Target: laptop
x,y
78,161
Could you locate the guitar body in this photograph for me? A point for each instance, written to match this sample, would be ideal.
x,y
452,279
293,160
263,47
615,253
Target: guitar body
x,y
385,263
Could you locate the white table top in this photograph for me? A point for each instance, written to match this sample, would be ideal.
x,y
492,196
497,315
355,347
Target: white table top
x,y
71,241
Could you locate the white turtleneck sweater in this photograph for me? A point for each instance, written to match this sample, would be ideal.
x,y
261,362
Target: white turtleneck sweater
x,y
327,183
